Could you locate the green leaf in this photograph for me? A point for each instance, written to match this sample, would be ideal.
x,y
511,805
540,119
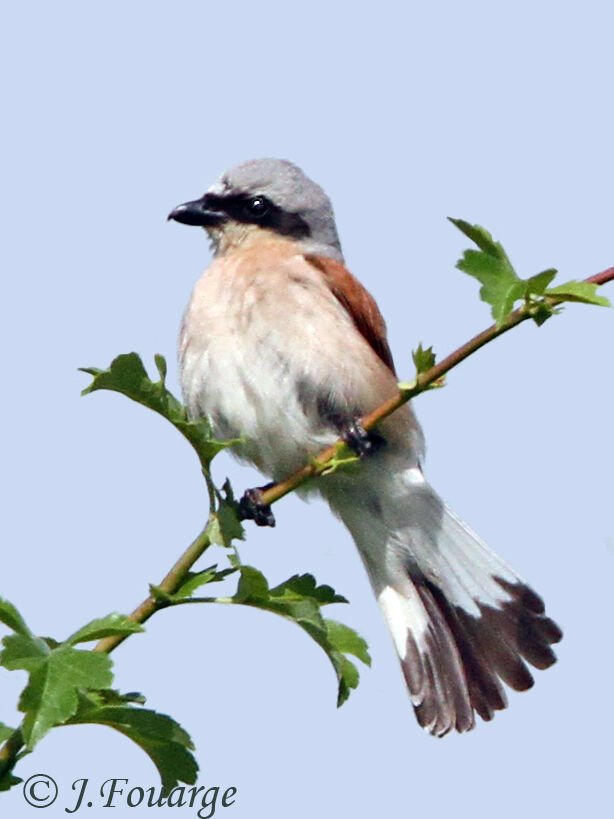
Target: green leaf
x,y
128,376
23,652
8,781
160,362
537,284
252,586
585,292
224,525
110,626
348,641
480,236
12,618
5,731
501,287
423,359
299,599
163,740
50,698
304,585
541,313
109,696
194,580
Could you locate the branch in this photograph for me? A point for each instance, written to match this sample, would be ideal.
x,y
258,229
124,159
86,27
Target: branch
x,y
170,584
422,382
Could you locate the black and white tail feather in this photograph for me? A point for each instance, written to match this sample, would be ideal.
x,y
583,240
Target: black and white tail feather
x,y
461,619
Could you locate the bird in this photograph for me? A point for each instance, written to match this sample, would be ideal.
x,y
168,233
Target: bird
x,y
282,347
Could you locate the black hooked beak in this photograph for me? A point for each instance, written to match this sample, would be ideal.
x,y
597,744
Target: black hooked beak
x,y
201,212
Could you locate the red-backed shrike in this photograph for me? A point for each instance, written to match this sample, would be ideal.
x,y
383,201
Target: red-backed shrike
x,y
281,345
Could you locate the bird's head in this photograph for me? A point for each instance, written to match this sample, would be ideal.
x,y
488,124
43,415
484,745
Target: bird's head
x,y
260,197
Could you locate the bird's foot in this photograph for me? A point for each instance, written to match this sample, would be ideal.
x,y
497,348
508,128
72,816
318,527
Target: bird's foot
x,y
251,507
360,441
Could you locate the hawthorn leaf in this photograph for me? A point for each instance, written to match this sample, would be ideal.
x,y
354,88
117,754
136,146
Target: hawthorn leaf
x,y
348,641
537,284
300,599
480,236
501,287
585,292
12,618
128,376
252,586
110,626
305,585
23,652
423,359
50,697
230,525
161,737
194,580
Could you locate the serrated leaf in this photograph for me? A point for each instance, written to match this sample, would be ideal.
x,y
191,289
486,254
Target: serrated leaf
x,y
288,601
198,433
305,585
345,639
110,626
501,287
585,292
347,673
230,525
50,698
224,525
538,283
22,652
128,376
162,739
480,236
194,580
423,359
12,618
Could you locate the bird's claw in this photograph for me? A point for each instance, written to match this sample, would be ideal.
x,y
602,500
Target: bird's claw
x,y
360,441
251,507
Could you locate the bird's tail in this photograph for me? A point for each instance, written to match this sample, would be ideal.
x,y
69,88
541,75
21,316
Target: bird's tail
x,y
461,619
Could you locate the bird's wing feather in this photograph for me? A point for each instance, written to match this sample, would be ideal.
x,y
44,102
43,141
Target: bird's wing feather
x,y
358,303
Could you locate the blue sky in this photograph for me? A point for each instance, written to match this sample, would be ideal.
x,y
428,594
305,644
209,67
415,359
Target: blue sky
x,y
405,113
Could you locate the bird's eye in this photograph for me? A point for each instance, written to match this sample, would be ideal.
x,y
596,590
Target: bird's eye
x,y
257,206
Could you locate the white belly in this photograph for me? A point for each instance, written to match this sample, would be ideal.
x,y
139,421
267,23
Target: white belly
x,y
264,344
241,361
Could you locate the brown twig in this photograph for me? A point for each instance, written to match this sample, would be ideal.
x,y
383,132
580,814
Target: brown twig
x,y
13,745
422,382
